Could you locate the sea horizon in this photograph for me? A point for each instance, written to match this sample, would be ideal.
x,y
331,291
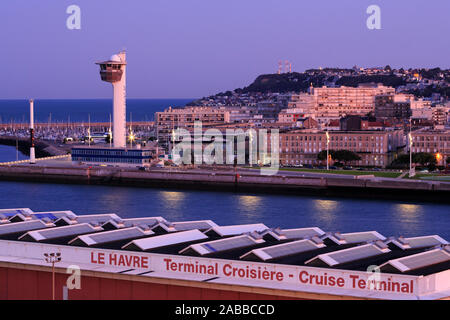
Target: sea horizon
x,y
83,109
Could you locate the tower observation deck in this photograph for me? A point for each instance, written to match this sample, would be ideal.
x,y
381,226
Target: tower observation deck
x,y
114,72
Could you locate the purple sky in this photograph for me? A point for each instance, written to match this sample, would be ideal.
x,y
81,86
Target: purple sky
x,y
194,48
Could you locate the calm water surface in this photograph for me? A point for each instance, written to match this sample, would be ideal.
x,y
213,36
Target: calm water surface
x,y
331,214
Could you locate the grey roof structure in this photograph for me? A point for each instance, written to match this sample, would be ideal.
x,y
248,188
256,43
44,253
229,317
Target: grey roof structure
x,y
98,238
59,232
228,231
422,255
222,245
13,230
340,257
417,242
428,259
283,250
292,234
165,240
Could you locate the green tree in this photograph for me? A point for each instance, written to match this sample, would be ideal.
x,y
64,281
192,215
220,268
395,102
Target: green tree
x,y
422,158
339,155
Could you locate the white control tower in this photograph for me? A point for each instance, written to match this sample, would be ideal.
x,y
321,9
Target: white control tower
x,y
114,72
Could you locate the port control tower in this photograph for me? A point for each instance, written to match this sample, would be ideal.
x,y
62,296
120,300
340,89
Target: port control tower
x,y
114,72
118,155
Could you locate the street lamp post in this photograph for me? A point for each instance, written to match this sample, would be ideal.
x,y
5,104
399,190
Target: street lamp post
x,y
411,174
250,149
328,150
410,154
53,258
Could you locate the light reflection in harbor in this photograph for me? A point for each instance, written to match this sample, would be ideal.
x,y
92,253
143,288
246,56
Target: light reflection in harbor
x,y
173,198
325,210
409,218
408,210
250,205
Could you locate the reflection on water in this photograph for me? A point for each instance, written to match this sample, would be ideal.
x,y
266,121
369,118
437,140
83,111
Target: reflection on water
x,y
250,206
409,218
249,202
172,199
325,205
325,210
9,153
408,210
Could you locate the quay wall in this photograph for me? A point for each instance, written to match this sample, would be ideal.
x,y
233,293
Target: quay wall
x,y
230,181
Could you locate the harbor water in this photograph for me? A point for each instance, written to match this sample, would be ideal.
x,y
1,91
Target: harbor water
x,y
391,218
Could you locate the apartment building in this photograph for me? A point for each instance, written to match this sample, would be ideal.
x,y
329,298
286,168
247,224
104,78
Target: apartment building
x,y
303,102
376,148
440,115
387,107
337,102
173,118
432,141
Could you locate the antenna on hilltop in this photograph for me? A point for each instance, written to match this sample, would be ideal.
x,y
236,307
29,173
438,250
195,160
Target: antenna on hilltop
x,y
280,66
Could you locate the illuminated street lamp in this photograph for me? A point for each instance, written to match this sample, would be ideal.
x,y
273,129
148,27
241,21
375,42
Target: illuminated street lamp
x,y
250,149
53,258
131,137
410,154
328,150
438,158
411,173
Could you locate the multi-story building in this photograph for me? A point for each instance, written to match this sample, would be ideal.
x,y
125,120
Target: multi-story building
x,y
376,148
337,102
440,115
171,119
432,141
303,102
387,108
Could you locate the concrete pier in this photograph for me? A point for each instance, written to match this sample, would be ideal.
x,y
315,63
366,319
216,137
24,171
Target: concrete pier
x,y
243,181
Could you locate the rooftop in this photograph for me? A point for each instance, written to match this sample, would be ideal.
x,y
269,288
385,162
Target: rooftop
x,y
193,249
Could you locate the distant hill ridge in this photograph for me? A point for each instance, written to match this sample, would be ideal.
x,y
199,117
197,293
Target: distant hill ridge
x,y
300,82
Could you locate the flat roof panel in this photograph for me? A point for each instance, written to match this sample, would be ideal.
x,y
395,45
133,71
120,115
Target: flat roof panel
x,y
302,232
349,255
424,259
190,225
217,246
167,239
97,218
425,241
290,248
59,232
22,226
114,235
357,237
232,230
